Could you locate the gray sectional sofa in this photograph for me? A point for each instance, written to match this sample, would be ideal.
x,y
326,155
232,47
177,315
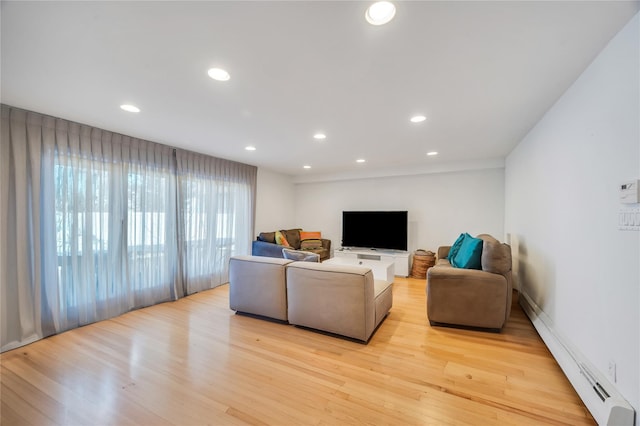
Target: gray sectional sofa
x,y
338,299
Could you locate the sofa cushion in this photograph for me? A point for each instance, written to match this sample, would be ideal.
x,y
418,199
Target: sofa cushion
x,y
496,257
456,246
303,256
443,262
267,237
281,239
322,252
292,236
310,244
380,286
469,256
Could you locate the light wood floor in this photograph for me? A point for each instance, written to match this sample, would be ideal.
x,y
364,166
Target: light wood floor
x,y
194,362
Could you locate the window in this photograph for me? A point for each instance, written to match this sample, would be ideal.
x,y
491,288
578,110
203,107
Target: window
x,y
216,208
100,223
113,239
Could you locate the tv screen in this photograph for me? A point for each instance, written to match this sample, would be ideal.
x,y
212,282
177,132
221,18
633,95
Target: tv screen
x,y
375,229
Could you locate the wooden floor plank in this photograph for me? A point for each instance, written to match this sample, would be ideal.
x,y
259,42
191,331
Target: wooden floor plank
x,y
195,362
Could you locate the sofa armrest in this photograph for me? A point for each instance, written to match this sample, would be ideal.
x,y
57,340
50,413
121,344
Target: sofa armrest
x,y
467,297
263,248
326,244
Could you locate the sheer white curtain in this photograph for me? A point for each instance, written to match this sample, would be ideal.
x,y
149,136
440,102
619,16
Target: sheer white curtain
x,y
216,213
114,224
95,224
152,245
90,225
21,265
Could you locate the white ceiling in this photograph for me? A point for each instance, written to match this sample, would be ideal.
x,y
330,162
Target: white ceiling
x,y
482,72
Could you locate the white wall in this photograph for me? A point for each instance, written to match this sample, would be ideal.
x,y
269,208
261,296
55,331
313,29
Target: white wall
x,y
440,206
274,202
561,211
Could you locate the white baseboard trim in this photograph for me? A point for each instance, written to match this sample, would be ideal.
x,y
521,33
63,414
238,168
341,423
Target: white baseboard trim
x,y
601,398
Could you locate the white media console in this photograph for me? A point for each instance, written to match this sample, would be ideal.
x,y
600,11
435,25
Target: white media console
x,y
401,259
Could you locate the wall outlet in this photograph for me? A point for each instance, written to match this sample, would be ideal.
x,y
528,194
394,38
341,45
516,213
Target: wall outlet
x,y
612,371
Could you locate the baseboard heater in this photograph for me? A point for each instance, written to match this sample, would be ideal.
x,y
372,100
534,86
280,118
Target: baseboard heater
x,y
602,399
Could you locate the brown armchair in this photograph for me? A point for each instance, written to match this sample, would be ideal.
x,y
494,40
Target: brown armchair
x,y
470,297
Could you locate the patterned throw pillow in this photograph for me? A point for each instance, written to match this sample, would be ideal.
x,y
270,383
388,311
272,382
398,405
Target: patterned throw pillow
x,y
304,256
281,240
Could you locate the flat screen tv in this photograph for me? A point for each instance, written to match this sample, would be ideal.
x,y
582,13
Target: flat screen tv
x,y
375,229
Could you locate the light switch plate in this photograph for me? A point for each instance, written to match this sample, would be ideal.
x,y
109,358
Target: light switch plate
x,y
629,219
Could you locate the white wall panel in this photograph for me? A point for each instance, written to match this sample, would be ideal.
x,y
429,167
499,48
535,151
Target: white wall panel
x,y
440,206
562,205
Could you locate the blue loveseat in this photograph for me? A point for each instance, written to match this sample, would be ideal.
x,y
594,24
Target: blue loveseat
x,y
265,244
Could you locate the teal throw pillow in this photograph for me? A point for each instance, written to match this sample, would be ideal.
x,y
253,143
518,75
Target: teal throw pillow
x,y
455,247
469,256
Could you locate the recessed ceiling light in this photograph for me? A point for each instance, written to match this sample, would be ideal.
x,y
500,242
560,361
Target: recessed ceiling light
x,y
432,153
418,118
360,160
380,13
130,108
306,166
250,148
218,74
320,136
